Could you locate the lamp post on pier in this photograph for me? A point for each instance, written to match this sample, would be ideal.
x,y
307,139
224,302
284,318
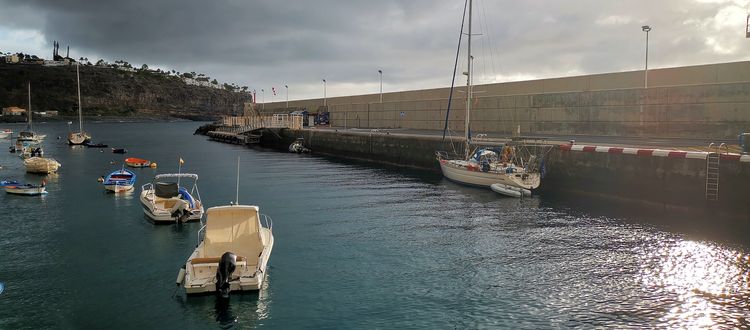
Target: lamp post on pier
x,y
287,96
263,98
325,97
381,85
646,29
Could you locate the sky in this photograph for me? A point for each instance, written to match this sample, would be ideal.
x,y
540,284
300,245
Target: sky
x,y
265,44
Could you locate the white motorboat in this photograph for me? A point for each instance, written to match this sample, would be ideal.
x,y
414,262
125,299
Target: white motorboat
x,y
80,137
41,165
26,189
486,166
168,202
233,254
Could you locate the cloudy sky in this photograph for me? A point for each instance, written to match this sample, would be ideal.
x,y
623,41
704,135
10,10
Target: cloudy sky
x,y
264,43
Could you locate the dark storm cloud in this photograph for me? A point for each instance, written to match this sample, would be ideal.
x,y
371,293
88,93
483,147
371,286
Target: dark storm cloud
x,y
272,43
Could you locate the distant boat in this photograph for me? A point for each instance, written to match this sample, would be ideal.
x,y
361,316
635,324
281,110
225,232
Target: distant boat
x,y
137,162
119,150
80,137
119,181
98,145
5,133
26,189
29,136
41,165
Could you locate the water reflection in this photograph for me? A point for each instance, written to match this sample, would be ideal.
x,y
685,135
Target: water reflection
x,y
708,284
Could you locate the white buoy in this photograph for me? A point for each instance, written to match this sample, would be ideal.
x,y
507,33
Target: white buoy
x,y
180,276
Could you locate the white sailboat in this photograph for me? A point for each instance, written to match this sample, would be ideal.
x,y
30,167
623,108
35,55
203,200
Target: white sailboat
x,y
485,167
80,137
29,136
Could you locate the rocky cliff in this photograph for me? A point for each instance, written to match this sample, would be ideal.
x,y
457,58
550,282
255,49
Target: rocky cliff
x,y
113,92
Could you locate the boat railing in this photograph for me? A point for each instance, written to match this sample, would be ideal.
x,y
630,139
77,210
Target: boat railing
x,y
267,221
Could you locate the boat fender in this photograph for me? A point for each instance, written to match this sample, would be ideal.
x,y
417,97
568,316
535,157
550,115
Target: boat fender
x,y
227,265
153,165
181,276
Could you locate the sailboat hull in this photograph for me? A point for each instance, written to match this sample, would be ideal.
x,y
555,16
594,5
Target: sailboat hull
x,y
78,138
463,172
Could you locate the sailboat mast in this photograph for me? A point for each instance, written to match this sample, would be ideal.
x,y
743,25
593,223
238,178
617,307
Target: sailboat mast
x,y
468,86
80,118
29,113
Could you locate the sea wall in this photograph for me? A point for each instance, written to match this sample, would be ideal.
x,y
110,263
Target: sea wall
x,y
709,101
651,179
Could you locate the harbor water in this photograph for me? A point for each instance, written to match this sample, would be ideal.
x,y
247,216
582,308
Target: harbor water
x,y
356,246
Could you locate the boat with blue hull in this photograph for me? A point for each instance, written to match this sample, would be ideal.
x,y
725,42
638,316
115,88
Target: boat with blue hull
x,y
120,181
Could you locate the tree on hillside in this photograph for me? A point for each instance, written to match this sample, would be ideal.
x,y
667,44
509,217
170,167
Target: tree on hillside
x,y
187,75
144,67
214,82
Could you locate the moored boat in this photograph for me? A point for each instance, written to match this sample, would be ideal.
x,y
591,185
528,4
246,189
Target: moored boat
x,y
119,181
486,166
41,165
233,252
26,189
119,150
137,162
97,145
5,133
80,137
168,202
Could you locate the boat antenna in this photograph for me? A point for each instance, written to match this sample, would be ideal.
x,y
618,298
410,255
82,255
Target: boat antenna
x,y
237,197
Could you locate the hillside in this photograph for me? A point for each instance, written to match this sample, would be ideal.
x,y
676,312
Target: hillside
x,y
112,92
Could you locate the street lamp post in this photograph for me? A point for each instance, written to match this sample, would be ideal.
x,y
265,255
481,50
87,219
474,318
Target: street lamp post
x,y
263,98
381,85
325,101
646,29
287,96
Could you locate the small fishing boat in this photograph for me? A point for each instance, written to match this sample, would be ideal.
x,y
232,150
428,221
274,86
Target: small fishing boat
x,y
5,133
29,135
168,202
4,183
233,252
137,162
119,181
41,165
509,190
28,150
119,151
27,189
298,146
98,145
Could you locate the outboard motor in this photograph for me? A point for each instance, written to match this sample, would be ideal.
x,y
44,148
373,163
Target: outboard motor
x,y
227,265
180,211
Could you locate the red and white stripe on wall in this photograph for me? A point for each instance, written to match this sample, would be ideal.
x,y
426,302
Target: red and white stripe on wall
x,y
652,152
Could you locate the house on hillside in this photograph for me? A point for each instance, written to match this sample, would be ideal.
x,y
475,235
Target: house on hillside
x,y
14,111
13,58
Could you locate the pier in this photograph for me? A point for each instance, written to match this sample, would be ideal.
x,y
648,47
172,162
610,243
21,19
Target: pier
x,y
671,147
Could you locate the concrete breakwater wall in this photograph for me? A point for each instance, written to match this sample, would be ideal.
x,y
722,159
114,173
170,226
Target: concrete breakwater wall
x,y
662,183
708,101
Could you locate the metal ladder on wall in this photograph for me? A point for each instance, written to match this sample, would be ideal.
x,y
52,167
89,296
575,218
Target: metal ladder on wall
x,y
712,173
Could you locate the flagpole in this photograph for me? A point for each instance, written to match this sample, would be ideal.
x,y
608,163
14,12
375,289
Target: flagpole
x,y
179,171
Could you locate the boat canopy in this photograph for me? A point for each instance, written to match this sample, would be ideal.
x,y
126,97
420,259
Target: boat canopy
x,y
166,189
176,175
233,229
